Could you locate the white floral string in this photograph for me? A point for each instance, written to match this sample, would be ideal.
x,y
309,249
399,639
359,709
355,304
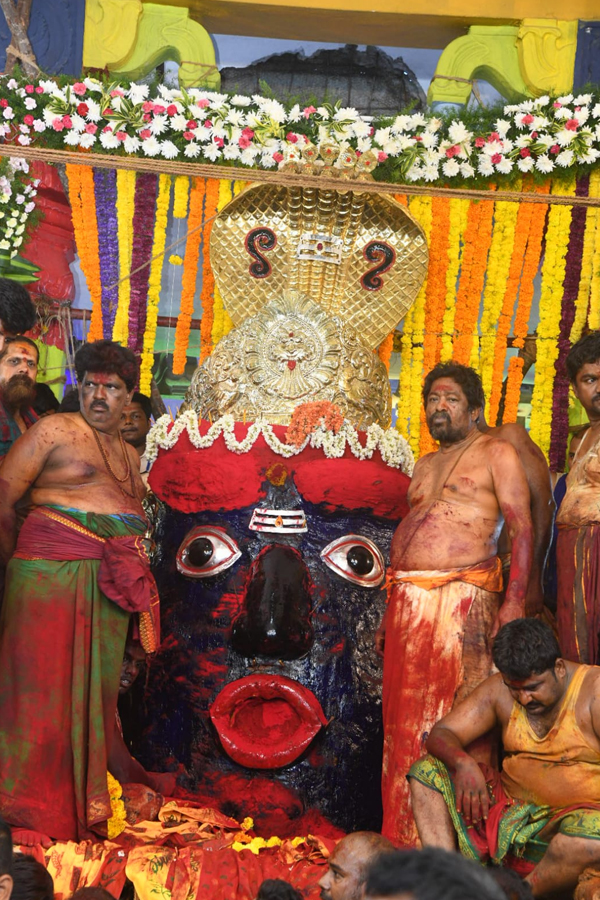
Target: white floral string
x,y
393,448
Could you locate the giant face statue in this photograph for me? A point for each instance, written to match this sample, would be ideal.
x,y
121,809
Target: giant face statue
x,y
274,542
271,571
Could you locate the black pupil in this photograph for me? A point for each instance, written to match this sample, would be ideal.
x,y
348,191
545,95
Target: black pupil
x,y
360,560
199,552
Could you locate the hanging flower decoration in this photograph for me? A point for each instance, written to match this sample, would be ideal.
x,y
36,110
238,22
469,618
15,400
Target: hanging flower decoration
x,y
459,210
125,211
219,314
420,207
542,135
589,264
17,202
190,275
105,185
478,237
435,300
180,196
154,281
384,351
208,281
143,231
553,274
118,820
83,214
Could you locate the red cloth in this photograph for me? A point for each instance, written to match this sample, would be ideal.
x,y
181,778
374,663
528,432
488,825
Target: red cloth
x,y
578,593
124,575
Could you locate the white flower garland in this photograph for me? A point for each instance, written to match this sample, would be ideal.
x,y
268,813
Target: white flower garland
x,y
538,135
393,448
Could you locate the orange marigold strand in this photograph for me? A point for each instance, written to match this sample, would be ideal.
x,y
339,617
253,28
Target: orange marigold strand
x,y
190,274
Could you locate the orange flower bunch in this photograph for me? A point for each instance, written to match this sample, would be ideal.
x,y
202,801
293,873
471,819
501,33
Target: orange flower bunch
x,y
307,417
190,274
531,262
435,300
478,237
208,280
384,351
85,226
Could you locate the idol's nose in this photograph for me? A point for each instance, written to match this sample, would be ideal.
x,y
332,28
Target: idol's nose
x,y
275,619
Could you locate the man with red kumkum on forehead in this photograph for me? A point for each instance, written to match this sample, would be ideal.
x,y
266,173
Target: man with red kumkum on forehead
x,y
446,603
76,573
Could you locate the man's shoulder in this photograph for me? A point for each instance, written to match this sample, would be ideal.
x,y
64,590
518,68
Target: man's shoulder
x,y
57,427
518,436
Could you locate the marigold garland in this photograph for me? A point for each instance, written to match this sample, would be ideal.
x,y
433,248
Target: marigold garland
x,y
180,196
125,208
435,301
222,323
384,351
559,433
118,820
154,282
83,213
478,236
594,311
458,222
553,274
190,275
403,405
503,239
592,224
208,281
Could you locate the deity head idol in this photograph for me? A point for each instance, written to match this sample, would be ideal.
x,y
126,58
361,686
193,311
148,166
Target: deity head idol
x,y
280,485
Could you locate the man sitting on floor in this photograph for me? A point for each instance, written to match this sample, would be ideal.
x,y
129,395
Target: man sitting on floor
x,y
541,813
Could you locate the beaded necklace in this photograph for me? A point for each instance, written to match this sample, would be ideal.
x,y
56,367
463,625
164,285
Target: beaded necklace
x,y
128,470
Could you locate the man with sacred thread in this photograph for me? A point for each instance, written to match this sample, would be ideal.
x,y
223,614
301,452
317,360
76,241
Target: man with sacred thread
x,y
446,601
77,572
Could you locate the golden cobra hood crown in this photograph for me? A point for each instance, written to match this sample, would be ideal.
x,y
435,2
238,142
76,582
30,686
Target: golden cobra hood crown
x,y
313,279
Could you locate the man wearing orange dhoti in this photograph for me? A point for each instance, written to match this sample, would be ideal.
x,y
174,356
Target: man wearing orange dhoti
x,y
445,602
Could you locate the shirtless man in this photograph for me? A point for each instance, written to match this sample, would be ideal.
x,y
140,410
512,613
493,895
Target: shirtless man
x,y
541,813
446,601
76,575
578,519
542,506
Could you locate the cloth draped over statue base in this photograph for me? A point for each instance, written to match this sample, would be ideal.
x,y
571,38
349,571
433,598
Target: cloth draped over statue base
x,y
437,650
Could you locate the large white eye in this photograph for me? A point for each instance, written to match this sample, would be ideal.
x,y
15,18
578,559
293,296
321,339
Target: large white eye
x,y
205,551
355,558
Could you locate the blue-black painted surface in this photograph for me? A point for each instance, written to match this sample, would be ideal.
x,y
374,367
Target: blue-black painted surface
x,y
587,58
56,35
339,774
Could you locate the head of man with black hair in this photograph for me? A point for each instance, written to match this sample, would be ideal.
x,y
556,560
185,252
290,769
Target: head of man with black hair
x,y
31,880
107,374
528,657
6,861
583,369
17,312
453,398
277,889
135,421
45,403
429,874
18,372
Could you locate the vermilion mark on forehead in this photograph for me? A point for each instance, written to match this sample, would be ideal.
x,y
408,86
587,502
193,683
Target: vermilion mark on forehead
x,y
445,387
102,377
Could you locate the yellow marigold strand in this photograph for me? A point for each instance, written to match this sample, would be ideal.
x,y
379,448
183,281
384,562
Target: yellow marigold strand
x,y
154,281
208,281
420,207
458,223
553,274
220,317
180,196
125,210
592,225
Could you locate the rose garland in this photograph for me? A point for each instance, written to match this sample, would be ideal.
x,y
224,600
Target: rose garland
x,y
535,216
458,222
553,274
105,186
478,236
154,281
393,448
208,280
125,207
220,319
559,434
190,276
180,196
143,232
503,239
83,213
592,223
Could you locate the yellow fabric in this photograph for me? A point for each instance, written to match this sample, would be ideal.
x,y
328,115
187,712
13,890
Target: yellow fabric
x,y
486,575
559,770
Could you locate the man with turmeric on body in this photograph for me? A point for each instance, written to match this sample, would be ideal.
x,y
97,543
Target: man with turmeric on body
x,y
446,600
541,814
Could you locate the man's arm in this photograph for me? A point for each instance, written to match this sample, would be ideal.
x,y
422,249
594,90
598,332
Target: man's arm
x,y
471,719
542,508
20,469
512,493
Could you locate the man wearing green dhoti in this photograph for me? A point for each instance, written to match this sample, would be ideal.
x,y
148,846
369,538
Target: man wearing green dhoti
x,y
77,570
